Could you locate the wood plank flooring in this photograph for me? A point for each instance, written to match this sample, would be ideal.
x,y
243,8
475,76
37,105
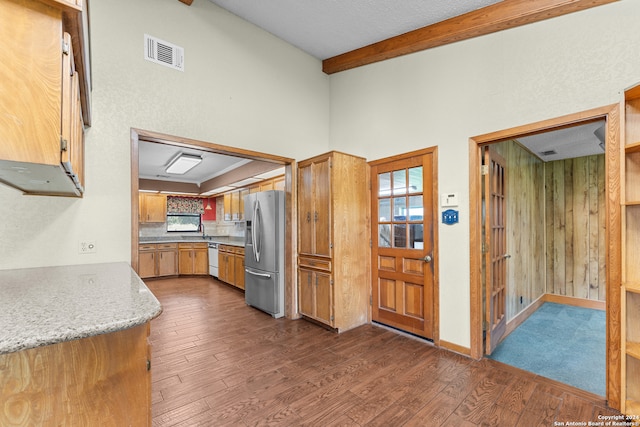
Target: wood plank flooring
x,y
218,362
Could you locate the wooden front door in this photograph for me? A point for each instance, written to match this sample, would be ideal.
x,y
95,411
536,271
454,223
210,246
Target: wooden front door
x,y
403,238
495,250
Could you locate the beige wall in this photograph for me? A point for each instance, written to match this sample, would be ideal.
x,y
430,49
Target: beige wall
x,y
241,87
244,88
445,95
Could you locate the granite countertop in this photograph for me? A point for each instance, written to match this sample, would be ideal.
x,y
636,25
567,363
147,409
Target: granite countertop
x,y
223,240
48,305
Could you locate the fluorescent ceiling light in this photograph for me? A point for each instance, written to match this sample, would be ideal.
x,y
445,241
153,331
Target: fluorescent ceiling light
x,y
183,163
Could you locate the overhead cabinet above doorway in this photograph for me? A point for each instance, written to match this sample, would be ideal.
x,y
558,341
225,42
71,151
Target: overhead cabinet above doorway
x,y
45,103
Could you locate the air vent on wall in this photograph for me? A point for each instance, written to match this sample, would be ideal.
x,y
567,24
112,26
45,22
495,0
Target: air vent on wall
x,y
164,53
548,153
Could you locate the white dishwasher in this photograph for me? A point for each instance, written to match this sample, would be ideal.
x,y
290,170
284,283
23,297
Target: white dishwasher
x,y
213,259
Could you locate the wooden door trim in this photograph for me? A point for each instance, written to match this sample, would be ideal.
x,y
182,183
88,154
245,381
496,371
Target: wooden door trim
x,y
291,242
490,19
612,114
436,273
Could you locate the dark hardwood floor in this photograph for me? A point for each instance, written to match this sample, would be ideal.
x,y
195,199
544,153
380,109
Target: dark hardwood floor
x,y
218,362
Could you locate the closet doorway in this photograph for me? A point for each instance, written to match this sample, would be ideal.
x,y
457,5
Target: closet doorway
x,y
528,184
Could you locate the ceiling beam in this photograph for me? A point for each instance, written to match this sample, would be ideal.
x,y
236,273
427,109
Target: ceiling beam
x,y
497,17
250,169
187,2
169,186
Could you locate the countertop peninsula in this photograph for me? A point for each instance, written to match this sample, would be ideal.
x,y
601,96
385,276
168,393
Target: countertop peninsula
x,y
49,305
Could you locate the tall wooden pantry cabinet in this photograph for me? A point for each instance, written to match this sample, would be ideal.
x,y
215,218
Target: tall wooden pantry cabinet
x,y
333,240
630,197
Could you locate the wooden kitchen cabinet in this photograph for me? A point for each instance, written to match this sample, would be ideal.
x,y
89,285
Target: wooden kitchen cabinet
x,y
226,264
167,259
103,380
316,295
193,258
333,240
147,261
231,265
152,208
630,197
238,267
47,93
157,260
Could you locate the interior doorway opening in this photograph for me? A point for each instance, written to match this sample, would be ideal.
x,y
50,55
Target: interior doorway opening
x,y
544,227
139,136
609,115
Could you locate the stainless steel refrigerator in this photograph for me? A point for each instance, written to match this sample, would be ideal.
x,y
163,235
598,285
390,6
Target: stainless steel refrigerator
x,y
264,251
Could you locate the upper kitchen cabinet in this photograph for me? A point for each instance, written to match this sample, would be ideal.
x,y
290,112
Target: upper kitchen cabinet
x,y
333,240
152,207
45,95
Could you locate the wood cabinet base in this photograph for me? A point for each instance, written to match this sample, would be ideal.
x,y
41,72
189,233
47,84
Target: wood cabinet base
x,y
100,380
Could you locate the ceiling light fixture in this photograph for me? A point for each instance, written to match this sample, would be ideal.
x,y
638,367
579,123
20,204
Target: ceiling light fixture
x,y
182,163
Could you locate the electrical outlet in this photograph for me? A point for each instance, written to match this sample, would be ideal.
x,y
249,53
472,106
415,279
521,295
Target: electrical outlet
x,y
87,247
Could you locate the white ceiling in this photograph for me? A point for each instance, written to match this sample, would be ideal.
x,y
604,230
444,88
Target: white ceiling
x,y
568,143
326,28
154,159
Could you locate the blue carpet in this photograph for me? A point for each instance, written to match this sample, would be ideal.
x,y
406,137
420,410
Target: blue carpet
x,y
560,342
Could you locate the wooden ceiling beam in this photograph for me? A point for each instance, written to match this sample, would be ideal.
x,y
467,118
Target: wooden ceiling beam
x,y
497,17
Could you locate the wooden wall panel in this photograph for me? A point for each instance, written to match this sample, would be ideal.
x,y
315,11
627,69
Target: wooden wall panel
x,y
525,227
576,247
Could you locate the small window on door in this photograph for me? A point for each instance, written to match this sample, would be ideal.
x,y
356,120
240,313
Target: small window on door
x,y
401,209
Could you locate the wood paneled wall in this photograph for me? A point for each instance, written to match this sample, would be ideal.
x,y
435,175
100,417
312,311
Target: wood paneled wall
x,y
525,227
575,218
556,227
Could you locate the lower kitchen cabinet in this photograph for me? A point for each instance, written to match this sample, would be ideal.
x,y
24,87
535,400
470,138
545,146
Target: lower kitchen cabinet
x,y
238,266
193,258
167,260
316,295
147,261
231,265
157,260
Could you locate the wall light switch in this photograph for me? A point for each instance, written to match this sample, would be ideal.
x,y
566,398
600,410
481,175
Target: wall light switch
x,y
449,200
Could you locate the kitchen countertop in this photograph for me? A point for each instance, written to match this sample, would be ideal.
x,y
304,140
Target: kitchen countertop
x,y
223,240
49,305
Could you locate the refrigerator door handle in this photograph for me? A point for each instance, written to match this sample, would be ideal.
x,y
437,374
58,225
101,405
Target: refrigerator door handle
x,y
257,228
253,273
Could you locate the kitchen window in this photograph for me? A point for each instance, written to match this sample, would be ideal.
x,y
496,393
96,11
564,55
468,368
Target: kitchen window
x,y
183,222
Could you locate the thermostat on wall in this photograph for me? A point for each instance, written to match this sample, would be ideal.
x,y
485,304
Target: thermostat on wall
x,y
449,200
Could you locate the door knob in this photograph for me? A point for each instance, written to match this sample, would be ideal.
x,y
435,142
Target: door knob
x,y
427,258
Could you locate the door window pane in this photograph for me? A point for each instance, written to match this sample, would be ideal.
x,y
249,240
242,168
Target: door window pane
x,y
400,182
415,180
416,236
399,235
384,235
416,208
384,210
399,208
384,184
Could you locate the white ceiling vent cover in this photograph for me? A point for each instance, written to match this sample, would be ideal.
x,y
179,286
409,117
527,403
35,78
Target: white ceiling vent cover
x,y
164,53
